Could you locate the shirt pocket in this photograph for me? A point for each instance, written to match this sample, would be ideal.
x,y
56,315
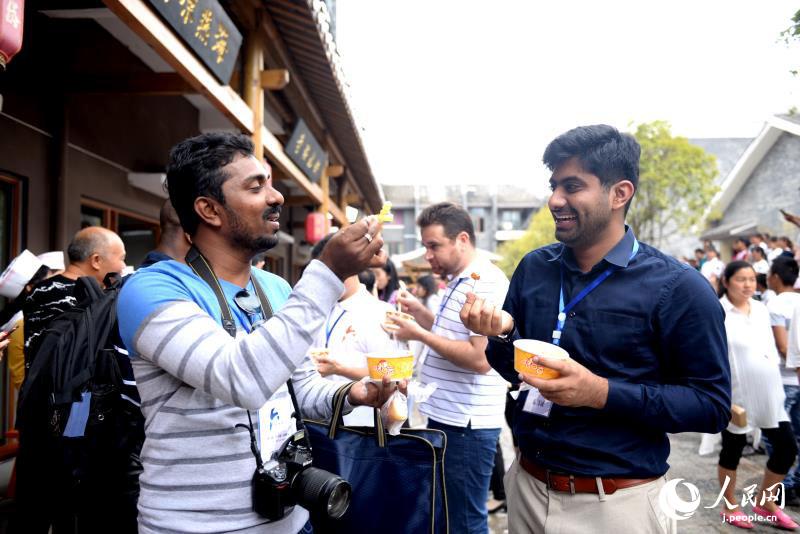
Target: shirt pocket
x,y
621,343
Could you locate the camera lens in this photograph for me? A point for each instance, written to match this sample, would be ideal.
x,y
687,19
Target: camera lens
x,y
321,492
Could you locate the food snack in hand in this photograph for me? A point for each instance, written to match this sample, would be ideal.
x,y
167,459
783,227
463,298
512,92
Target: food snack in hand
x,y
398,410
318,352
389,324
386,213
475,276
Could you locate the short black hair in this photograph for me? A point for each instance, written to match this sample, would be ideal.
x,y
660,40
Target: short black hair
x,y
316,250
453,218
700,250
195,170
786,269
761,280
602,150
756,248
367,277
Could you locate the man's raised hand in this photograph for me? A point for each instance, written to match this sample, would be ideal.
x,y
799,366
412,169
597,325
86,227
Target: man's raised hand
x,y
485,318
355,248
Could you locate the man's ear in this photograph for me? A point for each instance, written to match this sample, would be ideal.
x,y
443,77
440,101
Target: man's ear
x,y
621,193
94,261
209,211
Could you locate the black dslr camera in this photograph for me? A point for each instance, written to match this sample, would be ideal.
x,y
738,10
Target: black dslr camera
x,y
289,479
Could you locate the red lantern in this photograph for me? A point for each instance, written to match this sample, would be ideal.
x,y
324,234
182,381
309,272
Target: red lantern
x,y
11,23
315,227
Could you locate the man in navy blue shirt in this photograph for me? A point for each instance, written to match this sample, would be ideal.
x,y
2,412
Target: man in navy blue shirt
x,y
647,346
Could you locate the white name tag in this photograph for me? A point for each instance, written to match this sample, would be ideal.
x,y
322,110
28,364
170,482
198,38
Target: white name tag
x,y
275,422
536,404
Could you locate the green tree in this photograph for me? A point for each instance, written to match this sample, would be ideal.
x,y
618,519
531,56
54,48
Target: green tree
x,y
541,231
676,184
792,34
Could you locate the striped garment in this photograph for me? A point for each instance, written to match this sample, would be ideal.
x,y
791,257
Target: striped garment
x,y
462,396
196,382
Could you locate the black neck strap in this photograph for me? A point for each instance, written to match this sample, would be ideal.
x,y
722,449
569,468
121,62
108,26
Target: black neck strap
x,y
201,268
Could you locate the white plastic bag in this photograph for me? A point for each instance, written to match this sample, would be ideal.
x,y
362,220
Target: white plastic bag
x,y
394,412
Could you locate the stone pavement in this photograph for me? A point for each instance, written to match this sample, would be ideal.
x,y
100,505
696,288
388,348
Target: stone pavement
x,y
701,471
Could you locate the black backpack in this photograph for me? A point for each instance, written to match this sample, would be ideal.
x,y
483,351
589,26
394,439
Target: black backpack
x,y
78,354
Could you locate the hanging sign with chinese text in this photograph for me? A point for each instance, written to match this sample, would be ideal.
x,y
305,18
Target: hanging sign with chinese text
x,y
304,150
207,29
11,23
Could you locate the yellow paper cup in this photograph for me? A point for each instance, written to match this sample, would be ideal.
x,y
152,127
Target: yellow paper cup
x,y
397,365
526,349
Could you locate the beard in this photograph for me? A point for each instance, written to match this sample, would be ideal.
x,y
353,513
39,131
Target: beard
x,y
246,240
588,228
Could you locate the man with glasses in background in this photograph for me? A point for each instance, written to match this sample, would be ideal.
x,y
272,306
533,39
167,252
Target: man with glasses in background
x,y
202,377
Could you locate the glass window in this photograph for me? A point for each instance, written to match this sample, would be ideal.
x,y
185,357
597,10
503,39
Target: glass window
x,y
138,235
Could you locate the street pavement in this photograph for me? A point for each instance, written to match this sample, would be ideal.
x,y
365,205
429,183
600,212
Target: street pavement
x,y
699,470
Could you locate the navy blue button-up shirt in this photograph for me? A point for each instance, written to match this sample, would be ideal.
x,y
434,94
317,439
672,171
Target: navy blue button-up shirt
x,y
654,329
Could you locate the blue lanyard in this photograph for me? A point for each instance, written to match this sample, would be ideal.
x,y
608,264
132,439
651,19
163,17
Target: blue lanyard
x,y
329,328
444,300
564,310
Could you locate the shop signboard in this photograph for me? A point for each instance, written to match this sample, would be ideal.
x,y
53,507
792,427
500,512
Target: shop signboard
x,y
305,151
205,27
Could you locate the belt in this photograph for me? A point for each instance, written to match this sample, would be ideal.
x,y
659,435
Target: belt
x,y
573,484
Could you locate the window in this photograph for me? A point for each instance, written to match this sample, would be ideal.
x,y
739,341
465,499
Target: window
x,y
139,233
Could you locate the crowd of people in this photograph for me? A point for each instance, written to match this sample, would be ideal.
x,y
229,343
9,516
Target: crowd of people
x,y
205,341
758,290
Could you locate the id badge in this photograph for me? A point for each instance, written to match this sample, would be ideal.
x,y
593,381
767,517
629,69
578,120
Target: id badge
x,y
536,404
275,422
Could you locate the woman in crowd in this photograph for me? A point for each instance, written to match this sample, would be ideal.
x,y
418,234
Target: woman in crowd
x,y
428,292
387,282
755,386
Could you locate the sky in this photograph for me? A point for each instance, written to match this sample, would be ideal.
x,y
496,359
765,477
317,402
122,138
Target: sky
x,y
471,92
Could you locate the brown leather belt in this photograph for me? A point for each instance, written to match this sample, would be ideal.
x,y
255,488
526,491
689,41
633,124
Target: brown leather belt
x,y
573,484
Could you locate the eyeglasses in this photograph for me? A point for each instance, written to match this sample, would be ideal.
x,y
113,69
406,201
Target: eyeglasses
x,y
250,305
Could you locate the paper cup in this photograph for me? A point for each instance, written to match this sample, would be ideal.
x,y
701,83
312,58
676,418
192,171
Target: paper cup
x,y
397,365
526,349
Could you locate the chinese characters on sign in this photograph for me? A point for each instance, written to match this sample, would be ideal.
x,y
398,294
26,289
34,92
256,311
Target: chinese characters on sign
x,y
207,29
306,152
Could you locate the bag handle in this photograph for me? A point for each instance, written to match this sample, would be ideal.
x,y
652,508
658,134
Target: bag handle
x,y
337,419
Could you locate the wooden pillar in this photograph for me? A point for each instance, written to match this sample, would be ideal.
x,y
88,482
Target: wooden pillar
x,y
324,183
253,92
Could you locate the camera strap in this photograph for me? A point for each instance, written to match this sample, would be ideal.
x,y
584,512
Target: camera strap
x,y
201,267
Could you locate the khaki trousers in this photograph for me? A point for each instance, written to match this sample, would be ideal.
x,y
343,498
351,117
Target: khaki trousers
x,y
535,509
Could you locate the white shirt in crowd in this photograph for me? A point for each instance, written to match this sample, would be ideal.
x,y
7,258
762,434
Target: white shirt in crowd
x,y
761,267
781,309
462,396
755,379
793,341
352,330
712,267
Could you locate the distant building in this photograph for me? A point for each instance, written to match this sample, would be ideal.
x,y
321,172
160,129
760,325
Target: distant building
x,y
727,151
499,212
764,179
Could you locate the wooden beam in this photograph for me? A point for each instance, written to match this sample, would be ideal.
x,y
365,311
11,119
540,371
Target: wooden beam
x,y
140,18
335,171
253,93
275,79
295,201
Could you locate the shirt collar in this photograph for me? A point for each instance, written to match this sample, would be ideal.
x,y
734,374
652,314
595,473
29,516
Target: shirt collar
x,y
475,266
619,256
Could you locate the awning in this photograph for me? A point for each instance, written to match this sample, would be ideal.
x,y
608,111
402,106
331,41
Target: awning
x,y
732,230
415,259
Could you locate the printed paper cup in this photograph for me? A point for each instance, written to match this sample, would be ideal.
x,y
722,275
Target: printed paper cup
x,y
397,365
526,349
